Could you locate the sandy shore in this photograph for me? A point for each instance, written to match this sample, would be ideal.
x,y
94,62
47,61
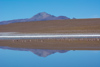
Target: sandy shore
x,y
56,44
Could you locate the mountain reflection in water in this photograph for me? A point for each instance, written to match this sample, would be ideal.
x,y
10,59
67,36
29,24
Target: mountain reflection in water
x,y
39,52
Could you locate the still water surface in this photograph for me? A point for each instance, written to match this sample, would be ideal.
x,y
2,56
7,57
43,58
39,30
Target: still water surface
x,y
19,57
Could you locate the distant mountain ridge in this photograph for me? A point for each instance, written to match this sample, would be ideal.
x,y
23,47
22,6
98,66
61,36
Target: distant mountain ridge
x,y
38,17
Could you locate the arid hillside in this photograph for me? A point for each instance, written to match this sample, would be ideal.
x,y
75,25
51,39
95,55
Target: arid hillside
x,y
55,26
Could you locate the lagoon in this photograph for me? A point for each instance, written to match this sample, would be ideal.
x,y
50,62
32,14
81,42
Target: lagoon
x,y
17,57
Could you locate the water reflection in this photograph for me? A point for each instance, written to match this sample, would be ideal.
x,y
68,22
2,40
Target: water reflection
x,y
23,58
39,52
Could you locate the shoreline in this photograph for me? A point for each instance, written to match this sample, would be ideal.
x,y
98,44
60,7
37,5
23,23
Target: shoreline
x,y
56,44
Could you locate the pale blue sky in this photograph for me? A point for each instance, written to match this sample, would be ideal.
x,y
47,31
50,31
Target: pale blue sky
x,y
20,9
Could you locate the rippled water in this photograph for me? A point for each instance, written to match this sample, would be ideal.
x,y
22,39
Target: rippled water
x,y
21,57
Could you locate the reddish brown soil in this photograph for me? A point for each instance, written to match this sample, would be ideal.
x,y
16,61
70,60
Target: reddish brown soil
x,y
53,44
55,26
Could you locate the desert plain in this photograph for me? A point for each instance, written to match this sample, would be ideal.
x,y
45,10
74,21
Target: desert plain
x,y
70,26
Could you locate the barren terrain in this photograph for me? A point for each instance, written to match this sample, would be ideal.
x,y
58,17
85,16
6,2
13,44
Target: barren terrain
x,y
54,26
